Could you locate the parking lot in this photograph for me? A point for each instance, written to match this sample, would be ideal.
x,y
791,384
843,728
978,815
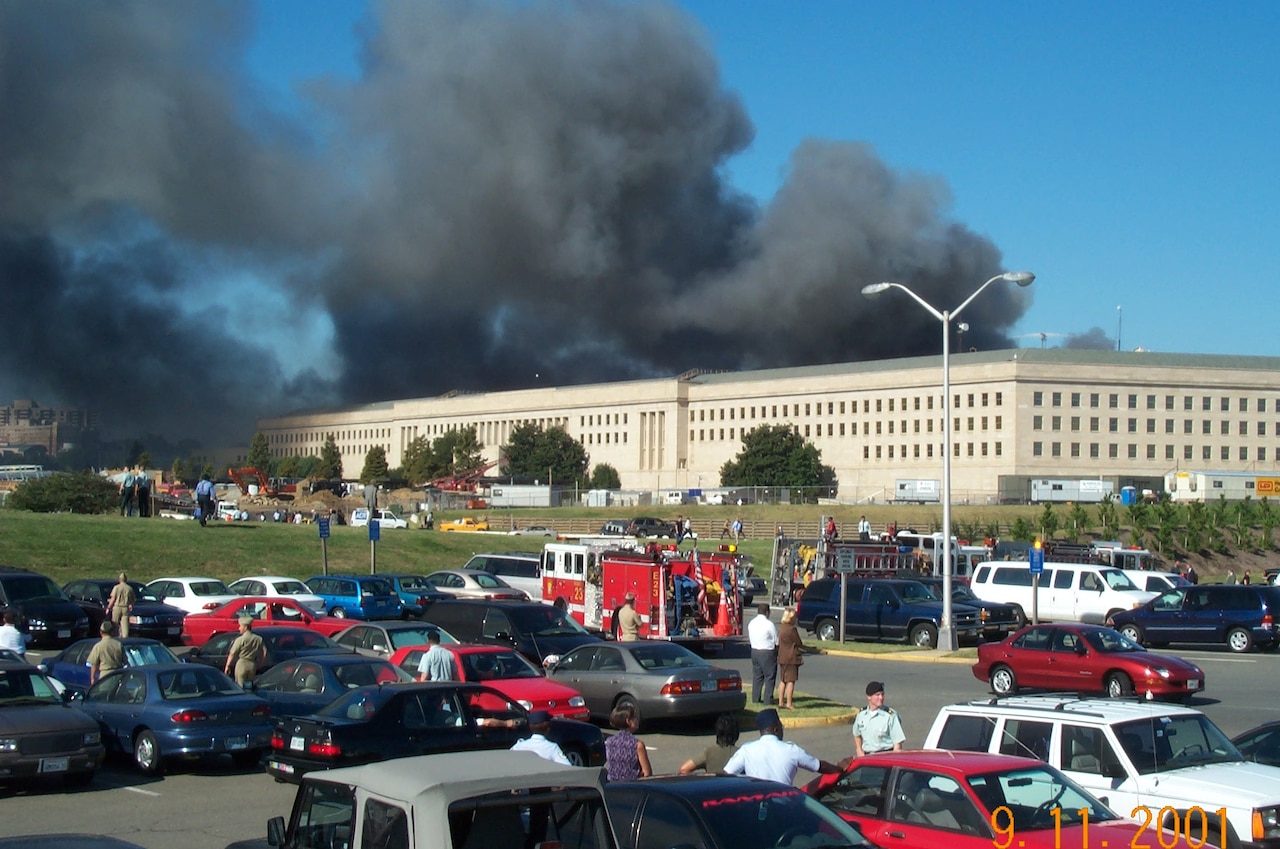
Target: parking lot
x,y
207,805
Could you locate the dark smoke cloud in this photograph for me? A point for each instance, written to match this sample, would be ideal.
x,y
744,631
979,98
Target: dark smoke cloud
x,y
1093,339
506,190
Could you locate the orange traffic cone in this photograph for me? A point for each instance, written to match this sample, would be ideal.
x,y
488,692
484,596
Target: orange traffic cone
x,y
722,618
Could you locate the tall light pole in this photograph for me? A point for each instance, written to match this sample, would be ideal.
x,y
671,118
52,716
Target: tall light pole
x,y
1119,316
947,634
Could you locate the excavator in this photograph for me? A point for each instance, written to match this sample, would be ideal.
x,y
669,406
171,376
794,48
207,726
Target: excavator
x,y
271,487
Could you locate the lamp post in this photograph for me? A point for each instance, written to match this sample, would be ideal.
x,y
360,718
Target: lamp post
x,y
947,634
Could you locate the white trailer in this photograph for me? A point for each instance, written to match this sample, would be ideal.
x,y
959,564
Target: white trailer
x,y
1088,491
1210,486
917,491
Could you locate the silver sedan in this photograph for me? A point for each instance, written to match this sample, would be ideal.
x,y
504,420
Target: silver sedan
x,y
473,583
662,680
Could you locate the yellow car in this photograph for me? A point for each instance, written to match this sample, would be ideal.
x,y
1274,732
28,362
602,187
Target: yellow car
x,y
466,523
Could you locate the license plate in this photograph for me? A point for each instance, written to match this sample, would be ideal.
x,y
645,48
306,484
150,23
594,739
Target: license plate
x,y
297,744
64,635
287,769
54,764
709,686
176,629
1193,685
234,744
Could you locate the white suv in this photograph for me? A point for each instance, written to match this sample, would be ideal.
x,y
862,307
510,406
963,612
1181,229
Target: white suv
x,y
1148,760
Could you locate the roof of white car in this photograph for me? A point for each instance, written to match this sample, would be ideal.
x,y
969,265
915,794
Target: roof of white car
x,y
1102,711
267,578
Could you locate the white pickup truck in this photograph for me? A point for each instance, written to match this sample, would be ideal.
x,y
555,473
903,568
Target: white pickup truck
x,y
503,800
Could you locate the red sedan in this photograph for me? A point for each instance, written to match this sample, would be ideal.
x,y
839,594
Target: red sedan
x,y
197,628
506,671
975,800
1089,658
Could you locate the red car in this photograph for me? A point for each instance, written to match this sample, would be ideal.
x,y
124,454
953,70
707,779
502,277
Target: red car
x,y
197,628
1090,658
975,800
506,671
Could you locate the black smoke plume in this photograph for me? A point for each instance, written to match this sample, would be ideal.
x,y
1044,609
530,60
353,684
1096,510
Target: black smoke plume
x,y
506,190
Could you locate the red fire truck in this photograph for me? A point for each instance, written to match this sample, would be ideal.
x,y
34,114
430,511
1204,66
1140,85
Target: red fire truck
x,y
680,595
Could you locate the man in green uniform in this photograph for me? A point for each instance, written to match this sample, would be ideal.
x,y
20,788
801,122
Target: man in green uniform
x,y
878,728
120,604
246,652
107,655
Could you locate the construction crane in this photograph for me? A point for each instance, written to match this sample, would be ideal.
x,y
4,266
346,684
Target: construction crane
x,y
461,481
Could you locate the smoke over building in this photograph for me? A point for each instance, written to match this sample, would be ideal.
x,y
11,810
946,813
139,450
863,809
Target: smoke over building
x,y
506,190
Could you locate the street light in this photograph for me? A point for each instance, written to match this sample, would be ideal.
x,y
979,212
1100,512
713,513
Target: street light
x,y
947,634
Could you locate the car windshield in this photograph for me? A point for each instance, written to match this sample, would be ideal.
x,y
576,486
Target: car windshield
x,y
290,588
1029,794
489,582
298,638
354,675
1110,641
1118,580
666,656
1165,743
414,582
141,591
912,591
417,636
368,700
377,586
490,665
30,587
144,654
209,588
775,816
543,620
194,683
25,687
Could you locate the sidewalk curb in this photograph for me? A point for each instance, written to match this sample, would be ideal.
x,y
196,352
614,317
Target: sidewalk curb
x,y
819,721
934,656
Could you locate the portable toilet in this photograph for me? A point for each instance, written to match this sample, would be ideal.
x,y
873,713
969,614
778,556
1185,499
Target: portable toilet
x,y
1128,495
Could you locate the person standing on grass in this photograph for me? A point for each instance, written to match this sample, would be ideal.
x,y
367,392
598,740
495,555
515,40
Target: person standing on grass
x,y
128,486
204,498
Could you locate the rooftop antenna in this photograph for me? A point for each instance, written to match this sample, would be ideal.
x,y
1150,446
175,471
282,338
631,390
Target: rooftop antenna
x,y
1119,316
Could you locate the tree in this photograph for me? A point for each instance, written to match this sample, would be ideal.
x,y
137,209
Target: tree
x,y
459,450
330,466
604,476
419,462
375,465
775,455
144,460
548,455
1078,516
178,470
260,453
207,470
79,493
1049,522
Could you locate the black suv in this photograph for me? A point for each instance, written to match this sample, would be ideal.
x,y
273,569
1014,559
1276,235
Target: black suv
x,y
1240,615
647,526
531,628
881,609
998,619
43,610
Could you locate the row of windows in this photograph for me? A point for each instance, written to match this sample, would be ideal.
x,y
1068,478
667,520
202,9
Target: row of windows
x,y
610,438
1131,424
1131,451
958,449
1188,401
322,435
834,408
602,420
838,429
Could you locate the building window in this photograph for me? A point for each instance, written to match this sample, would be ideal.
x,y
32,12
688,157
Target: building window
x,y
1151,402
999,422
1226,453
1262,453
1133,401
1037,422
970,400
1244,454
969,448
1000,403
1168,425
1057,422
1037,448
842,428
1000,449
1187,402
1151,452
1093,424
1244,428
1093,399
1075,422
1113,425
1057,399
1226,428
1206,426
866,452
915,450
984,422
984,449
1206,452
879,406
1186,452
1055,448
1262,428
1075,399
890,452
1037,399
1093,450
878,431
1151,425
984,399
1113,401
1133,451
970,422
1225,405
1113,451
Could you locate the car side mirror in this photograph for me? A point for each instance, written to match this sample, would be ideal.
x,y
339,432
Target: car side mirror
x,y
275,831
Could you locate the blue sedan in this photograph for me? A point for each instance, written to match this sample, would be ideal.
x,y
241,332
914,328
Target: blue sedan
x,y
71,665
304,685
166,710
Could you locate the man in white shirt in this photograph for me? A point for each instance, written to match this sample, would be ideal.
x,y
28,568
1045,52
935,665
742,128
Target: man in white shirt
x,y
540,724
864,530
764,655
772,759
10,637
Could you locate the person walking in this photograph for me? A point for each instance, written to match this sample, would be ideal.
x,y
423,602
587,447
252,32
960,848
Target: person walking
x,y
764,655
736,528
107,655
246,653
713,758
537,742
878,728
10,637
437,663
770,757
625,757
790,645
120,604
628,619
128,485
727,530
204,499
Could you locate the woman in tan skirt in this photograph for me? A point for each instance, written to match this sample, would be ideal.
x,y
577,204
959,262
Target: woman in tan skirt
x,y
789,647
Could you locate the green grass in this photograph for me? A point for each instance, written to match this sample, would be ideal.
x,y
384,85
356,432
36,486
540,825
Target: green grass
x,y
65,546
807,706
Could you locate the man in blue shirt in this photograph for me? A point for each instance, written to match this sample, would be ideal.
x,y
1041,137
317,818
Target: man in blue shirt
x,y
772,759
204,498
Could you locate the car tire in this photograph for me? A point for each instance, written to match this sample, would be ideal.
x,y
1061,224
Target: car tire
x,y
826,630
1133,632
338,613
146,753
1239,640
575,754
626,699
925,636
1118,685
1003,681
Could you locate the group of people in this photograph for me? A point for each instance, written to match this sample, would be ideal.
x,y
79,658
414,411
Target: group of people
x,y
684,529
732,530
135,493
776,657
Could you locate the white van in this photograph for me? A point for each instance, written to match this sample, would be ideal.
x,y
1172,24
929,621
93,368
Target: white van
x,y
1069,592
1156,581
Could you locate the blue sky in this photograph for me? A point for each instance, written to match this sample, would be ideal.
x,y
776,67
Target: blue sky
x,y
1125,153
